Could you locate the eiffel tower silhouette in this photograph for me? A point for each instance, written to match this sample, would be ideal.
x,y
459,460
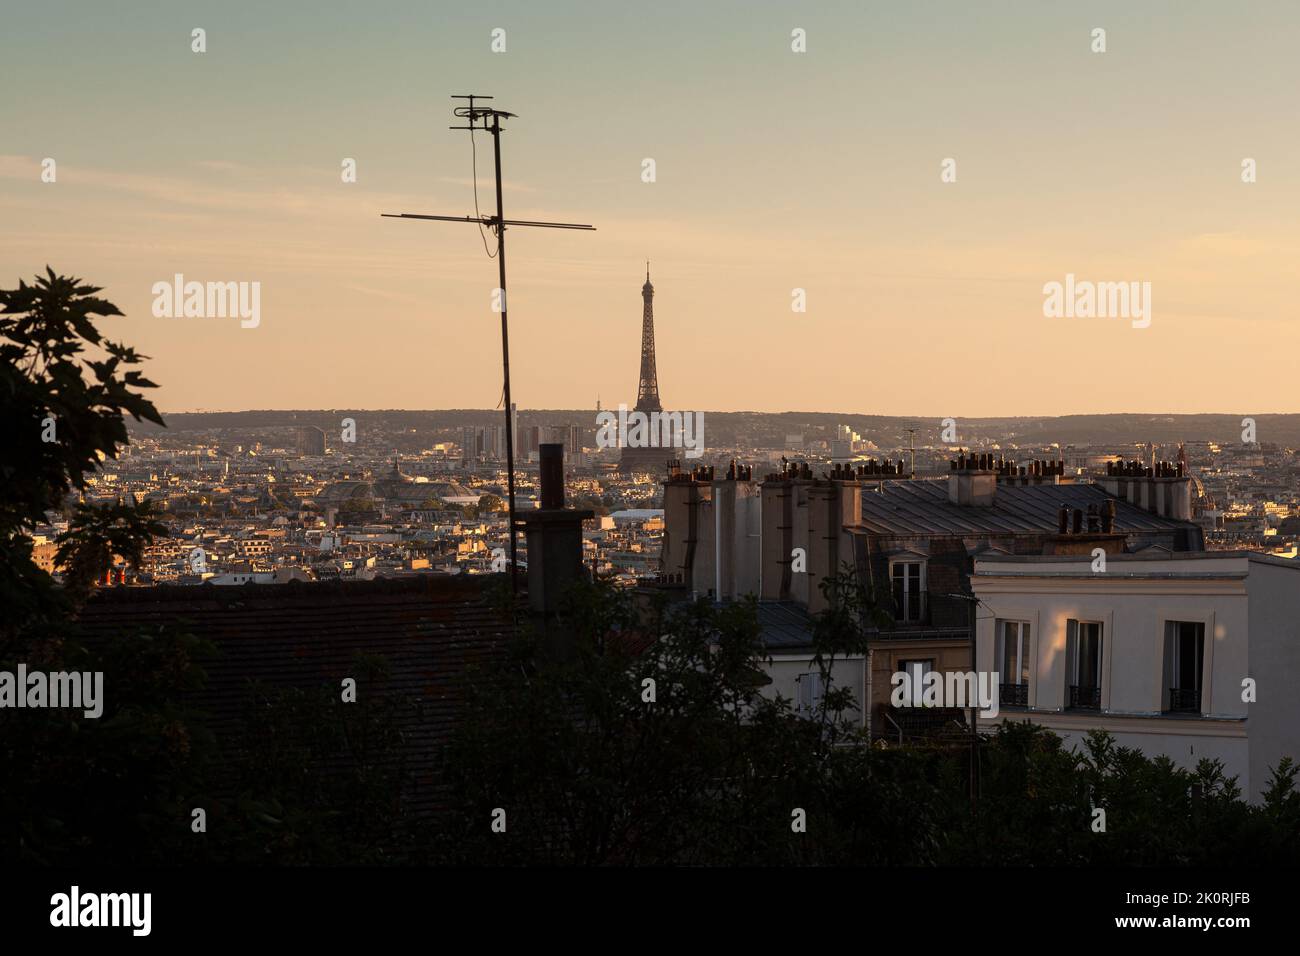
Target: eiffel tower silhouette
x,y
649,460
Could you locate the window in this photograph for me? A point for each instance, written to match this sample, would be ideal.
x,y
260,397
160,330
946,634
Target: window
x,y
1184,654
1083,660
908,578
1013,663
915,671
808,692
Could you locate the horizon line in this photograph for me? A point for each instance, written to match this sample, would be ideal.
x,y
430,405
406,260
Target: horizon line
x,y
741,411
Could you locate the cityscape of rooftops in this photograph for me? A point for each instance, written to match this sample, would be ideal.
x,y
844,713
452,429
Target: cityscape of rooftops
x,y
874,446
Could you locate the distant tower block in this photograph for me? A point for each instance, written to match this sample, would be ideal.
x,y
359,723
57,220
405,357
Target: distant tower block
x,y
311,441
648,460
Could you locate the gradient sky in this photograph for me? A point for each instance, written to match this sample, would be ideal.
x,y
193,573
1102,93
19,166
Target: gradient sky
x,y
776,170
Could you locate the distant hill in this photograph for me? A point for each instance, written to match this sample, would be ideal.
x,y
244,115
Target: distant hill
x,y
726,428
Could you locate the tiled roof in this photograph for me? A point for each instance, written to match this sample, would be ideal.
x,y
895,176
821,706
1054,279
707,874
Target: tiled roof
x,y
921,506
432,631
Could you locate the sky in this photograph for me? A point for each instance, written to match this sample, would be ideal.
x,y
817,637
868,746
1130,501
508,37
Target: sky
x,y
774,171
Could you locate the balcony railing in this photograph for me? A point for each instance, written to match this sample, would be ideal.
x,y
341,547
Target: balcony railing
x,y
1013,695
1184,701
1085,698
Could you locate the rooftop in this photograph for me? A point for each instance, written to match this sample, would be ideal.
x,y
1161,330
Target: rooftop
x,y
921,506
784,625
432,631
1145,564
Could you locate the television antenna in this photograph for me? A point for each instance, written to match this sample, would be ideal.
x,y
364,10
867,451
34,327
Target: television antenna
x,y
479,118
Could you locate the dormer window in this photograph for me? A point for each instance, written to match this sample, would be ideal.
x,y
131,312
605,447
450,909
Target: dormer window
x,y
907,578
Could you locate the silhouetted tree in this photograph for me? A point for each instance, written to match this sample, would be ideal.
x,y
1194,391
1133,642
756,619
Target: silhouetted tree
x,y
78,789
712,771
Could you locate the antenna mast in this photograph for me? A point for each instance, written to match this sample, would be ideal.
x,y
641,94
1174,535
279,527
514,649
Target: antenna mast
x,y
487,119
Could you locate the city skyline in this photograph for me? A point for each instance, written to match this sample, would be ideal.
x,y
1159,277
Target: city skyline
x,y
887,456
775,171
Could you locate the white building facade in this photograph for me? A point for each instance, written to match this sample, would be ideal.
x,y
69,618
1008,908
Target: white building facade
x,y
1190,655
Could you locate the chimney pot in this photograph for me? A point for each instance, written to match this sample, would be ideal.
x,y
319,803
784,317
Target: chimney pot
x,y
1108,516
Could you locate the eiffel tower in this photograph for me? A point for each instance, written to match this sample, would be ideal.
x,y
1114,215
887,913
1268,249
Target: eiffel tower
x,y
648,460
647,392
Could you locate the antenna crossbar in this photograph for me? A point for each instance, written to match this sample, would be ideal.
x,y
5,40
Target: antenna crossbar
x,y
488,220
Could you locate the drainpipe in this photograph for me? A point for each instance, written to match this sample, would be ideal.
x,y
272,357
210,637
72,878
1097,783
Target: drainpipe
x,y
973,602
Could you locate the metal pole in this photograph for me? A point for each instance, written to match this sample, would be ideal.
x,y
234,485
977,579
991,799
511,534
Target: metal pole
x,y
505,357
974,603
974,732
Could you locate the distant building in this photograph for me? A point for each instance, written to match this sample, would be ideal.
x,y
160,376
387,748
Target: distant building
x,y
530,439
43,556
637,515
393,488
570,436
311,441
278,576
483,443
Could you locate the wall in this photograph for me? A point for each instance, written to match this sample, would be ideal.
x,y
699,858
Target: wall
x,y
1153,736
784,669
886,657
1274,663
775,541
736,510
1133,599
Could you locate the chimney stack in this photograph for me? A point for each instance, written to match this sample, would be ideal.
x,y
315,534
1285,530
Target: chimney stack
x,y
737,514
689,526
1162,488
554,536
803,514
972,481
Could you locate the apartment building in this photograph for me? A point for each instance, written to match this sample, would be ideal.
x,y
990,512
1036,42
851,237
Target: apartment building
x,y
1190,655
253,547
911,542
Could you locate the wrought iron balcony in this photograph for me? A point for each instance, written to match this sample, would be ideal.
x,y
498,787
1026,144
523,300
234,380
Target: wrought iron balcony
x,y
1013,695
1085,698
1184,701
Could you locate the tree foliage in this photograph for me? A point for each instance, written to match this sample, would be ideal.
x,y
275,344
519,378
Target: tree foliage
x,y
75,788
65,390
714,770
